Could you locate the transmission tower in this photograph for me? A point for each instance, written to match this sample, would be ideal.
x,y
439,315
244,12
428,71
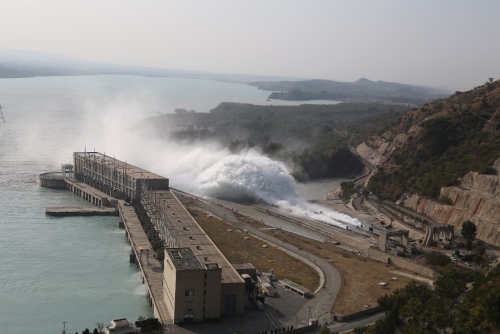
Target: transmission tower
x,y
1,114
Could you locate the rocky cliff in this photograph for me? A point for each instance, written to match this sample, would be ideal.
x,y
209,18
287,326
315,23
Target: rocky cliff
x,y
476,198
435,145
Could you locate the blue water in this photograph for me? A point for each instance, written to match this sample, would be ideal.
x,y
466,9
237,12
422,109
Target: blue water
x,y
75,269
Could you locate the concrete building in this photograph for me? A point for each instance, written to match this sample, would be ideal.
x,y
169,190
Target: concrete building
x,y
111,176
121,326
198,280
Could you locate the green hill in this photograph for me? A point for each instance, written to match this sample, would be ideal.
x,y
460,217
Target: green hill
x,y
435,145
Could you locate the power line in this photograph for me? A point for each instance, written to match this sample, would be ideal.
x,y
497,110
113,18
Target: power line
x,y
469,79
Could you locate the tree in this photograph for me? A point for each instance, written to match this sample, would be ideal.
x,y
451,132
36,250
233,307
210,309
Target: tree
x,y
469,231
325,330
100,326
491,305
95,331
359,330
436,259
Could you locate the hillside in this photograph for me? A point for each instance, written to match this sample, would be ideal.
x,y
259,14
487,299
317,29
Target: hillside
x,y
442,160
312,139
362,89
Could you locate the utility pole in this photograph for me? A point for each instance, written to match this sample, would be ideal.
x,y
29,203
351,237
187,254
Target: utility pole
x,y
64,328
1,114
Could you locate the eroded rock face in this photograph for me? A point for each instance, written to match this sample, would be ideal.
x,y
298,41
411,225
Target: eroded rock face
x,y
476,199
486,184
372,155
378,149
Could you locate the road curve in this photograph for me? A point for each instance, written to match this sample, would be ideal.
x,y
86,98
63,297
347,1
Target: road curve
x,y
321,303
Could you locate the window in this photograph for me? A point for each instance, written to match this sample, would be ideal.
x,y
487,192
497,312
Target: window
x,y
188,295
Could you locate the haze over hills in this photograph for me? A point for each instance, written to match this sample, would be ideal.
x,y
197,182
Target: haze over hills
x,y
26,64
362,89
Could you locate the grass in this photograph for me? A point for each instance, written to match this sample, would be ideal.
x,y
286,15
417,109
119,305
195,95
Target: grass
x,y
361,276
239,250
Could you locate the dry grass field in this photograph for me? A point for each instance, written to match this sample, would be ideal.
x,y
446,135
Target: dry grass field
x,y
361,276
239,250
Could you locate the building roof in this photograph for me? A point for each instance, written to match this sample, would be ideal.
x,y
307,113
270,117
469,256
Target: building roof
x,y
294,285
123,167
120,322
240,266
189,234
183,259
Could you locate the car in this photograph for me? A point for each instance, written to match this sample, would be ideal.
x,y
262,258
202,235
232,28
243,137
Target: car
x,y
453,258
467,263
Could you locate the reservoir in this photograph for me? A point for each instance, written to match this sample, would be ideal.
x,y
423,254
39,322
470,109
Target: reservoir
x,y
76,269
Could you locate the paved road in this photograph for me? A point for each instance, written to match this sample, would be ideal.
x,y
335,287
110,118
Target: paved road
x,y
320,305
366,163
348,326
396,218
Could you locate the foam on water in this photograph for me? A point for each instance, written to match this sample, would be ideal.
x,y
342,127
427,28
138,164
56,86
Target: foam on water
x,y
243,178
141,290
251,177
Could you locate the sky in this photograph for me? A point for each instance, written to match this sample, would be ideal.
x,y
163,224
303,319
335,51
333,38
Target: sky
x,y
446,43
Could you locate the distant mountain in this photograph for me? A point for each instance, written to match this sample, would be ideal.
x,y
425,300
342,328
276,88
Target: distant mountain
x,y
360,90
22,63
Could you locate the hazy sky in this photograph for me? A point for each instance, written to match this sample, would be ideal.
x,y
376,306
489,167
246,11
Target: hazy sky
x,y
420,42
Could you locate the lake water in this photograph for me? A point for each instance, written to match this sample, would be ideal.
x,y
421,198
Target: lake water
x,y
75,269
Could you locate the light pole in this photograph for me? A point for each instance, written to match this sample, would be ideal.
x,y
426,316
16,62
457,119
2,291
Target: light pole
x,y
64,327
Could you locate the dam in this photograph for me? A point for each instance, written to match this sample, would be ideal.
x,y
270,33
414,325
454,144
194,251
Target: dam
x,y
187,277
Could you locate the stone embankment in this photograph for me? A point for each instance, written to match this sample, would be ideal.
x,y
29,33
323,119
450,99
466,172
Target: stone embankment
x,y
477,199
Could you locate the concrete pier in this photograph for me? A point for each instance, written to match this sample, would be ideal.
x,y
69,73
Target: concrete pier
x,y
142,256
89,193
80,211
141,252
54,180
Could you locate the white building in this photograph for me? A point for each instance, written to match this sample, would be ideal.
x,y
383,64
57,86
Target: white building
x,y
121,326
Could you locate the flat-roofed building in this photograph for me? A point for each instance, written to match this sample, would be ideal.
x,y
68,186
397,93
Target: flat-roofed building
x,y
121,326
191,289
112,176
198,280
195,268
